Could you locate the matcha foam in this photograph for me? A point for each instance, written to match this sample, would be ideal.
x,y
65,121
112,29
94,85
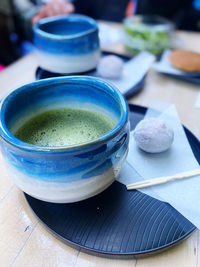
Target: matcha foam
x,y
66,126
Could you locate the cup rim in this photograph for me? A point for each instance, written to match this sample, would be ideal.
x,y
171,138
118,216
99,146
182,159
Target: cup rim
x,y
70,17
99,83
159,22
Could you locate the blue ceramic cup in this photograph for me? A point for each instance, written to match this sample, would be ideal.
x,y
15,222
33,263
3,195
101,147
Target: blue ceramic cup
x,y
66,173
67,44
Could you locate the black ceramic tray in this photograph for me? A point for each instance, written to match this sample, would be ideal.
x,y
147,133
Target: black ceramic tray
x,y
136,88
187,78
117,221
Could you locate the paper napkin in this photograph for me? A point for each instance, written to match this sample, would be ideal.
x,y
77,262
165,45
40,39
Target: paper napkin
x,y
164,66
134,70
183,195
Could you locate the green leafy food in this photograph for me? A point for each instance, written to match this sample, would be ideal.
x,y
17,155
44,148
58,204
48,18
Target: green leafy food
x,y
139,37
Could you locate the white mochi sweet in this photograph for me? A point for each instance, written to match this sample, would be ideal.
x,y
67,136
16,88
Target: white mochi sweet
x,y
153,135
110,67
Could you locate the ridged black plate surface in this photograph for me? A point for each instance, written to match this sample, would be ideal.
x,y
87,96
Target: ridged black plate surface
x,y
117,221
136,88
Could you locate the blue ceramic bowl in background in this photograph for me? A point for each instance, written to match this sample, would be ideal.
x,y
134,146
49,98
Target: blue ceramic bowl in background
x,y
67,44
66,173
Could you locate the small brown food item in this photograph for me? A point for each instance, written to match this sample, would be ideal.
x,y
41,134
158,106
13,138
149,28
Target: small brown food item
x,y
185,60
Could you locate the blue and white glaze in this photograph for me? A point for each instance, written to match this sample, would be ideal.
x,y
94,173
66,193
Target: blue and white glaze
x,y
68,173
67,44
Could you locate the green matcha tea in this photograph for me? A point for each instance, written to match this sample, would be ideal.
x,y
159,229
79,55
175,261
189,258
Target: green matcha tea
x,y
66,126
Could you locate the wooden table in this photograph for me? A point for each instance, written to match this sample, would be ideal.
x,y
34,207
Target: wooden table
x,y
24,241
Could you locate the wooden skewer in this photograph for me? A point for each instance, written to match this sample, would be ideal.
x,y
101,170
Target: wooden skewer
x,y
164,179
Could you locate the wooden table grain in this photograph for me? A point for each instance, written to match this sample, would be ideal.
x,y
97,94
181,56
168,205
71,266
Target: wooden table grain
x,y
24,241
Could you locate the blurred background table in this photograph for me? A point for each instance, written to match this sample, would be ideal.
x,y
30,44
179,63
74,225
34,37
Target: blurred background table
x,y
26,242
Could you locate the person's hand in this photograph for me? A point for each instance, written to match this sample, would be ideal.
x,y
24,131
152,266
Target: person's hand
x,y
53,8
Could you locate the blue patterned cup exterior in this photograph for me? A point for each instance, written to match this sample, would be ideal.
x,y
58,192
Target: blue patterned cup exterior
x,y
67,173
67,44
